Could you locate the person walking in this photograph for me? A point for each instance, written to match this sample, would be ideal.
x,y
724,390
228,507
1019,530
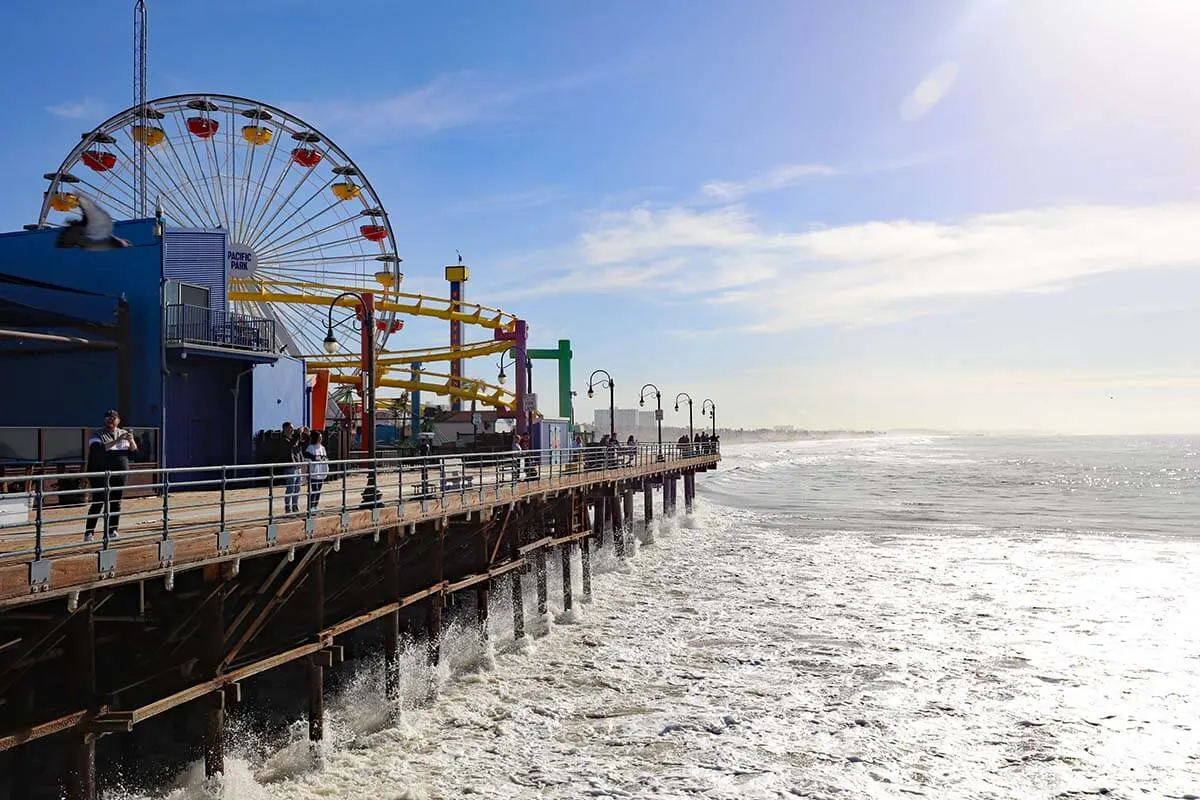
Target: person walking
x,y
295,457
518,462
318,468
108,451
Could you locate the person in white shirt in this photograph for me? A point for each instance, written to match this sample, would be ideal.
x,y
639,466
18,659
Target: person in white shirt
x,y
318,468
518,461
108,451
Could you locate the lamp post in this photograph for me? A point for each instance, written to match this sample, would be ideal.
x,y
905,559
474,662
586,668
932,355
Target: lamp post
x,y
370,493
709,404
691,431
612,405
658,415
502,377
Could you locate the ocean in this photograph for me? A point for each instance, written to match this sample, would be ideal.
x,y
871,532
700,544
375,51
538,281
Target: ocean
x,y
893,617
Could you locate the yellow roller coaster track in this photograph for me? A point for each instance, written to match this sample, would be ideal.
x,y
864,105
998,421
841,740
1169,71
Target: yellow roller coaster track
x,y
417,305
397,361
472,389
403,358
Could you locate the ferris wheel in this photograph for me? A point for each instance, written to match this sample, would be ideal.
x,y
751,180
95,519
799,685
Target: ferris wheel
x,y
302,221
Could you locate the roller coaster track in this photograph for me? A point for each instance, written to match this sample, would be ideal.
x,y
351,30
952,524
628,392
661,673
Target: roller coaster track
x,y
395,365
424,381
416,305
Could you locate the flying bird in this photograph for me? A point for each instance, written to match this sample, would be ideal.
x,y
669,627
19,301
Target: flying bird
x,y
93,232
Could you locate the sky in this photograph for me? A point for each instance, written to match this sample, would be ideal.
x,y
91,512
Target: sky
x,y
951,214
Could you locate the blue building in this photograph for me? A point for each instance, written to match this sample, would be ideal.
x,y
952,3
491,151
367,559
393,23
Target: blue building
x,y
146,330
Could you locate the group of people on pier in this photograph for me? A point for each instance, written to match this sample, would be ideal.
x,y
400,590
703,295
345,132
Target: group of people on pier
x,y
307,454
700,444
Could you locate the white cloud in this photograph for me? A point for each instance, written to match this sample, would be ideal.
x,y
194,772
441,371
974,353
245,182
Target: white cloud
x,y
870,273
449,101
929,92
787,175
777,178
88,108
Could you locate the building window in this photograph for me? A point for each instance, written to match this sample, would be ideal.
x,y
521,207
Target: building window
x,y
188,294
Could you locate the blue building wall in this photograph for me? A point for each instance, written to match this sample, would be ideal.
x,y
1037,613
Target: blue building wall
x,y
201,426
189,393
278,391
75,388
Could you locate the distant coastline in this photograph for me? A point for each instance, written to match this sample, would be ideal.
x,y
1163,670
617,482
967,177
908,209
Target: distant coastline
x,y
788,434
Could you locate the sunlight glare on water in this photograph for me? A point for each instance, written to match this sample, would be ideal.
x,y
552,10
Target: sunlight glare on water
x,y
876,618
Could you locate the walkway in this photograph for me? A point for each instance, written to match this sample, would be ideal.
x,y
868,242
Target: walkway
x,y
196,522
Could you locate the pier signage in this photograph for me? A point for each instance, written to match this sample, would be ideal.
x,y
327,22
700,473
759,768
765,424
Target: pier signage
x,y
241,262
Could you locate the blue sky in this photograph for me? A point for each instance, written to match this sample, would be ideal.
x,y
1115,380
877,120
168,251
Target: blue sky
x,y
964,214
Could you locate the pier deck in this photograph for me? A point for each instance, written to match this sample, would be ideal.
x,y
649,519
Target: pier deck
x,y
211,583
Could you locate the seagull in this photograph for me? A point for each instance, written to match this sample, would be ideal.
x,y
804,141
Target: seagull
x,y
93,232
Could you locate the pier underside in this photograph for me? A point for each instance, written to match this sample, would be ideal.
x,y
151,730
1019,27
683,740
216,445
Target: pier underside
x,y
94,669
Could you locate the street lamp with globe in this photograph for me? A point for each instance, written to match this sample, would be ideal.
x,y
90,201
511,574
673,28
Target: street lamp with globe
x,y
658,415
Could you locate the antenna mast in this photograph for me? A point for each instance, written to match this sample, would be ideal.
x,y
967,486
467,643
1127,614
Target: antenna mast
x,y
139,102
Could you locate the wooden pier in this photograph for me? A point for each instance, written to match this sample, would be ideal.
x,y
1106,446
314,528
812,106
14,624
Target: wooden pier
x,y
210,584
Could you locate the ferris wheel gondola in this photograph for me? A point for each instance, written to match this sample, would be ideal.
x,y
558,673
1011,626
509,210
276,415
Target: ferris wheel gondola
x,y
297,210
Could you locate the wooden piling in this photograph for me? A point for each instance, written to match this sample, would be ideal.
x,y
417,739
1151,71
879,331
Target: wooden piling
x,y
481,610
391,622
539,565
566,577
585,555
518,590
316,669
518,604
81,647
689,490
648,509
614,503
600,507
433,629
214,703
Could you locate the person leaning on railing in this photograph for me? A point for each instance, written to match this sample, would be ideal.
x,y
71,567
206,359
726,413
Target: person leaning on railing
x,y
108,451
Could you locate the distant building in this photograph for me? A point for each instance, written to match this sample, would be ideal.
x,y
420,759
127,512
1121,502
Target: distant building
x,y
646,422
624,419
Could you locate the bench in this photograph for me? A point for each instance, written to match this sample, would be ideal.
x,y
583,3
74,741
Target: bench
x,y
457,481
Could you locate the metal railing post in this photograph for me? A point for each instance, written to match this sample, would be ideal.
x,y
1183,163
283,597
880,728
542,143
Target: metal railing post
x,y
270,493
39,501
105,510
222,497
166,505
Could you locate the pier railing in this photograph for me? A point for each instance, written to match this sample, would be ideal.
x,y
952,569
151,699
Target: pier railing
x,y
45,519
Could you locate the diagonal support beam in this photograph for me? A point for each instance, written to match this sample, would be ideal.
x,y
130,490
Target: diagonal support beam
x,y
273,604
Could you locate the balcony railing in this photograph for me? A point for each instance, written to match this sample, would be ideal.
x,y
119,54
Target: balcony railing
x,y
196,325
